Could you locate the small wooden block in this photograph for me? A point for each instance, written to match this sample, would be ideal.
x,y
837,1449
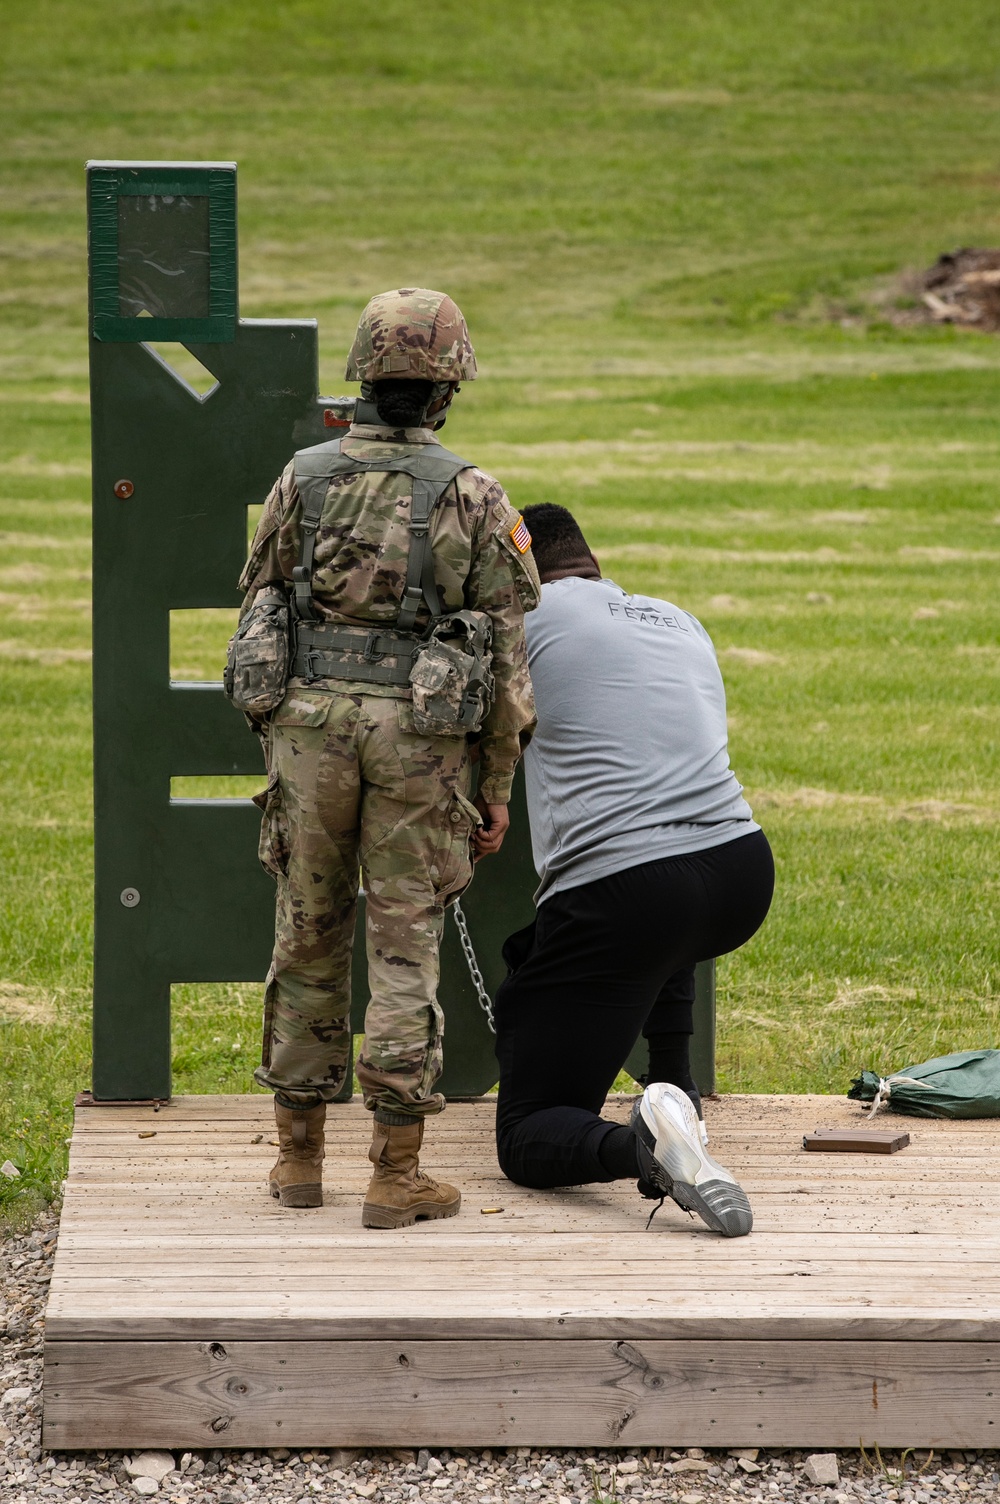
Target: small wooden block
x,y
855,1141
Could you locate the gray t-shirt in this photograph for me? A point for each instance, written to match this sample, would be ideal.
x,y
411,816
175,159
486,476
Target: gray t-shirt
x,y
630,761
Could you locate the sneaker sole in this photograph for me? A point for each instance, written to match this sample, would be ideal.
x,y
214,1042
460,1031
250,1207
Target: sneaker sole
x,y
686,1177
387,1217
721,1205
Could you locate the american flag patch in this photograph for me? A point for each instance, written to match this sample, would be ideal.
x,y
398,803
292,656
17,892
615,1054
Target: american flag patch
x,y
520,537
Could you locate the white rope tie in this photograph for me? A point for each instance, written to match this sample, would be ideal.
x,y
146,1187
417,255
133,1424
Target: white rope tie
x,y
885,1085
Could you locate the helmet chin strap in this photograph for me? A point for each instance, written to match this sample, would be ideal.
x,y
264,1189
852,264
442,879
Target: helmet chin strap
x,y
436,412
438,408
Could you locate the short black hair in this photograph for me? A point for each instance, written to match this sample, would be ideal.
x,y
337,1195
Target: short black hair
x,y
401,402
556,539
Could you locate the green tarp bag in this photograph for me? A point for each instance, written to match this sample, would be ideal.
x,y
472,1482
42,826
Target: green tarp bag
x,y
966,1085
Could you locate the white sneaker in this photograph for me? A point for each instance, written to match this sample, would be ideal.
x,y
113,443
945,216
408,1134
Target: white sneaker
x,y
673,1161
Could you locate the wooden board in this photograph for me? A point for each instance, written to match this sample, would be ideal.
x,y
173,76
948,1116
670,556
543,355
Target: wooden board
x,y
576,1393
183,1296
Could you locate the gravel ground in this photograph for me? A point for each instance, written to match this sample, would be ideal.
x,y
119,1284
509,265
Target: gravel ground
x,y
687,1476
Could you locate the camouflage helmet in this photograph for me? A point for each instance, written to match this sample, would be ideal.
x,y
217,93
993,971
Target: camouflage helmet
x,y
412,333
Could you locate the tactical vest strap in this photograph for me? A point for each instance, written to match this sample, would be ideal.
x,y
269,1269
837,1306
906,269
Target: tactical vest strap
x,y
420,581
312,480
432,469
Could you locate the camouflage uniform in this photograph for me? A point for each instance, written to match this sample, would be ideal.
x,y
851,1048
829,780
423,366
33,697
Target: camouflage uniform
x,y
352,786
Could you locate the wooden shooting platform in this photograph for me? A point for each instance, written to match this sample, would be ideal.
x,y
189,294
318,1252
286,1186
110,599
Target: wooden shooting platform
x,y
188,1310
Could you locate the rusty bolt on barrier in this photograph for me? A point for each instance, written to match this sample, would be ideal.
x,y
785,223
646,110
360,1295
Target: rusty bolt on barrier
x,y
124,489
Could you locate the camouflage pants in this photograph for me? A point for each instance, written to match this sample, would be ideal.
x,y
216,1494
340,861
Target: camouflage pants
x,y
351,788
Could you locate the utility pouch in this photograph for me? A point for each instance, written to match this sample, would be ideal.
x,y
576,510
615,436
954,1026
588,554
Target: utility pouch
x,y
451,676
257,659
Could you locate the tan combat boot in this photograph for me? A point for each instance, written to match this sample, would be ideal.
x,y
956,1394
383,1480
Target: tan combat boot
x,y
297,1178
399,1192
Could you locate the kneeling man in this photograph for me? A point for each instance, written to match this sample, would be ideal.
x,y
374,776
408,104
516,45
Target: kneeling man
x,y
650,861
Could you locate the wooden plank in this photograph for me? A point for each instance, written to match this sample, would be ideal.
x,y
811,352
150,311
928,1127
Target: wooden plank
x,y
265,1313
731,1115
203,1177
421,1293
136,1160
728,1117
927,1137
831,1324
477,1235
579,1393
970,1177
494,1263
747,1107
780,1160
341,1213
217,1318
96,1207
912,1258
258,1302
252,1193
341,1216
469,1136
903,1284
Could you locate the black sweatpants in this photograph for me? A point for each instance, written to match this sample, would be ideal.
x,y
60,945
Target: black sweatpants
x,y
601,964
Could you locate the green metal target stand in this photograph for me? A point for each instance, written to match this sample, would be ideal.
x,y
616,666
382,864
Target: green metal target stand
x,y
180,896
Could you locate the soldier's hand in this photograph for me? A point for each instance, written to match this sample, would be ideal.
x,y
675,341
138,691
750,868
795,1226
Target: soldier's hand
x,y
496,822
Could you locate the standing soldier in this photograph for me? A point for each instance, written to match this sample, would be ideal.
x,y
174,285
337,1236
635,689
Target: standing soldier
x,y
399,562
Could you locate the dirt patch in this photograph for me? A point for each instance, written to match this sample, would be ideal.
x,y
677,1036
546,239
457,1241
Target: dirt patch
x,y
926,811
846,519
727,603
932,554
24,574
753,656
21,652
848,996
39,540
26,1004
938,810
757,1020
809,798
961,288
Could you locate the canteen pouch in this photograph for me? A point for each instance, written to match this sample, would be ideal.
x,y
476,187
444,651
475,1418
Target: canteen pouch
x,y
451,676
258,656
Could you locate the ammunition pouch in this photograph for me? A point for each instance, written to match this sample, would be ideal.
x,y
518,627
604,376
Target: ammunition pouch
x,y
451,675
256,669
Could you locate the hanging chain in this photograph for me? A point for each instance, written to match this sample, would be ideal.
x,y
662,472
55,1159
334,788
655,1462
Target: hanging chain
x,y
485,1002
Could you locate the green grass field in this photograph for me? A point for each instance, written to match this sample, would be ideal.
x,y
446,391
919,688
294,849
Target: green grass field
x,y
676,233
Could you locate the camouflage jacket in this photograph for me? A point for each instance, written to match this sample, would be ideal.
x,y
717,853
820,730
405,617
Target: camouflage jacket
x,y
362,549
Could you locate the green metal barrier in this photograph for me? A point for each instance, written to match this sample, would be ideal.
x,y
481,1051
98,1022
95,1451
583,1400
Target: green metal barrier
x,y
179,893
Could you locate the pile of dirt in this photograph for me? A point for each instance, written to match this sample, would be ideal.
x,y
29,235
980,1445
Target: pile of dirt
x,y
963,288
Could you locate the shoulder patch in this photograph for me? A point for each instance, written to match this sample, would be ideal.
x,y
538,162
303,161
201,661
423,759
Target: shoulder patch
x,y
520,537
